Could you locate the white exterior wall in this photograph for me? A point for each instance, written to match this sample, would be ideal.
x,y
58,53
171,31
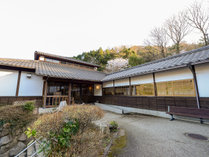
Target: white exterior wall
x,y
172,75
30,86
8,82
202,74
142,79
97,90
122,82
108,84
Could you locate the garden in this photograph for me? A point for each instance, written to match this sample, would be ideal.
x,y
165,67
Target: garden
x,y
70,132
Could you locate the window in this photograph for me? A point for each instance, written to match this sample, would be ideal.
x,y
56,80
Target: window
x,y
57,88
122,90
176,88
108,91
51,60
143,90
41,58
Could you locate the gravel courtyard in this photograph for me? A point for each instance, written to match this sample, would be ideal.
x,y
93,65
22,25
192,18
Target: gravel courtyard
x,y
149,136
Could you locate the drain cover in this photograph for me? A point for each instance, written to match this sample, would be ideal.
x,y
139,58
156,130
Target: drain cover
x,y
197,136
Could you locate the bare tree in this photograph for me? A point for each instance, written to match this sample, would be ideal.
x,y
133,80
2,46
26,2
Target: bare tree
x,y
160,39
198,18
177,28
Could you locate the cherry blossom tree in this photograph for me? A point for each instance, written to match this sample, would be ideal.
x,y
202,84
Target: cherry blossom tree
x,y
117,64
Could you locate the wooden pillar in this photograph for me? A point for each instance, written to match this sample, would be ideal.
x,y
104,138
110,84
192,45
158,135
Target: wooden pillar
x,y
113,87
155,86
45,93
130,90
192,68
18,83
69,93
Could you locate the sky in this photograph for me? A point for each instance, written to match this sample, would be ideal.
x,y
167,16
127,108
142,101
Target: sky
x,y
70,27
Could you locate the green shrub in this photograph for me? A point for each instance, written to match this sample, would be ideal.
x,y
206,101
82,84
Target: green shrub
x,y
29,106
113,126
66,133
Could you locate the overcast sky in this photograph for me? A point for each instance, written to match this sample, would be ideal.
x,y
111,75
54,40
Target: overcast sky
x,y
70,27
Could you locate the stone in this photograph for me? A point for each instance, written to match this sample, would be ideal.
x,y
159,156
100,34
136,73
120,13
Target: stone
x,y
18,148
18,132
23,137
61,105
4,154
5,140
31,151
4,132
23,154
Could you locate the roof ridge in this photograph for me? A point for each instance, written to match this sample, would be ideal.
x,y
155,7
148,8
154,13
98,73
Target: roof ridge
x,y
65,57
166,58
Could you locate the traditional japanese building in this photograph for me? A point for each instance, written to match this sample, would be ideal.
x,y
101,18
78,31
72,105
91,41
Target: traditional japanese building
x,y
179,80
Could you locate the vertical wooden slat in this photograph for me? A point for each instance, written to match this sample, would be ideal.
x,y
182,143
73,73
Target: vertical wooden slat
x,y
155,86
45,93
69,93
18,83
192,68
113,87
130,90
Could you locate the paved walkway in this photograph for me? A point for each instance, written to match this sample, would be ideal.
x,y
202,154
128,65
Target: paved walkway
x,y
158,137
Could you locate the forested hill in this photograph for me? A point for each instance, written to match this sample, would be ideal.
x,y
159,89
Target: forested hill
x,y
134,55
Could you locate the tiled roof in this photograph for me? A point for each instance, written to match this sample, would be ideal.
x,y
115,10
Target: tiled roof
x,y
193,57
64,58
21,63
54,69
67,72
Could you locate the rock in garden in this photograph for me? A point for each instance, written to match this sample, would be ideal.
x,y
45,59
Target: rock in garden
x,y
19,147
22,137
4,140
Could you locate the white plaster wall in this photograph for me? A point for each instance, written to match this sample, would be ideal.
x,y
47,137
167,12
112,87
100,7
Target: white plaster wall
x,y
32,86
171,75
202,73
122,82
8,82
97,92
108,84
142,79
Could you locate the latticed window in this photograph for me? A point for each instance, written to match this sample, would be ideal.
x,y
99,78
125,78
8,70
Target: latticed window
x,y
124,90
108,91
176,88
143,90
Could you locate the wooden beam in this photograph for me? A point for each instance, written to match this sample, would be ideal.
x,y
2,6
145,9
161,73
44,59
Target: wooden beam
x,y
18,83
69,93
113,87
192,68
155,86
45,93
130,90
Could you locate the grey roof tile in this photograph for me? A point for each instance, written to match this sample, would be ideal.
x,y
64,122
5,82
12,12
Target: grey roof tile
x,y
67,72
54,70
172,62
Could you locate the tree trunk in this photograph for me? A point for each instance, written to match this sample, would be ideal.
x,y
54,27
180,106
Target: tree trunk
x,y
177,48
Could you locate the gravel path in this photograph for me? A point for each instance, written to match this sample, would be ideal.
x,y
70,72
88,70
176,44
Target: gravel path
x,y
158,137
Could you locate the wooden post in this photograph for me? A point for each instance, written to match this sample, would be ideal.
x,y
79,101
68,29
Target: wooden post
x,y
113,87
192,68
155,86
18,83
45,93
69,93
130,90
